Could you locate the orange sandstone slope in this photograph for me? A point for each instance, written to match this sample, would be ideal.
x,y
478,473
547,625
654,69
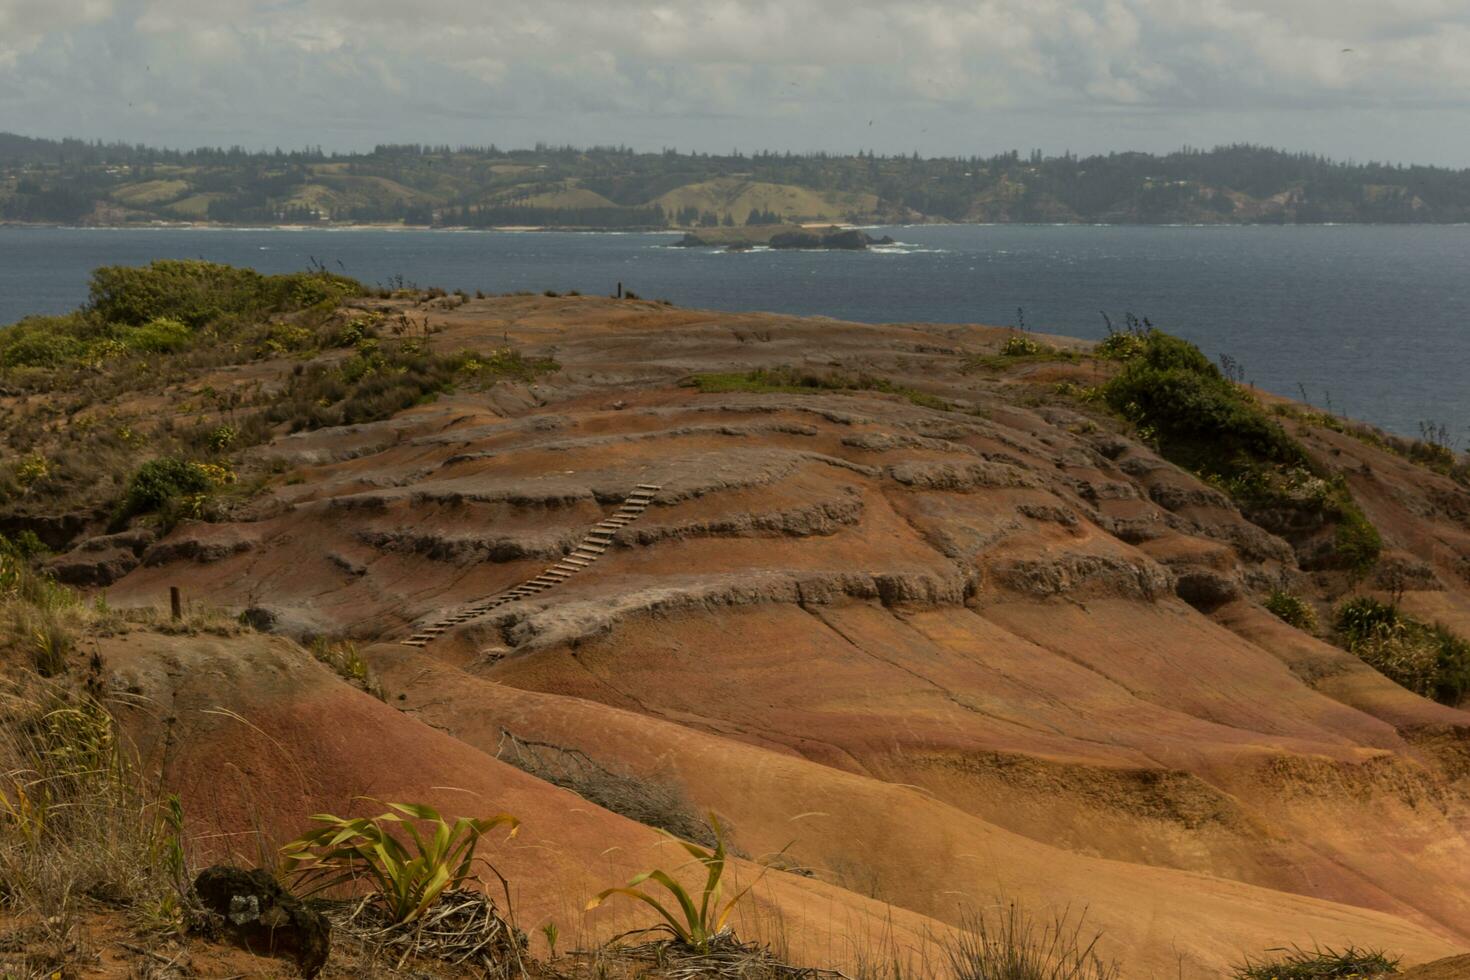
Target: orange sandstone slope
x,y
946,655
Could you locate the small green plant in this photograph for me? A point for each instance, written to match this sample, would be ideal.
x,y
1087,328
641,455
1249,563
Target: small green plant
x,y
1355,542
1019,345
1319,963
342,657
222,437
1292,609
406,881
32,468
696,925
551,933
51,645
1119,346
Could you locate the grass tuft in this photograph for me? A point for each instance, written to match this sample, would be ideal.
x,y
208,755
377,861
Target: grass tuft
x,y
1013,945
1429,660
1292,609
790,380
1319,963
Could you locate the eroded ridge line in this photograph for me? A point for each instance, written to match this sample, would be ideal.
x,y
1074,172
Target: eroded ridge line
x,y
592,547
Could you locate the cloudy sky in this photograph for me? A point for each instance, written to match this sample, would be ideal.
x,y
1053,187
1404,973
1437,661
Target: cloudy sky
x,y
1386,80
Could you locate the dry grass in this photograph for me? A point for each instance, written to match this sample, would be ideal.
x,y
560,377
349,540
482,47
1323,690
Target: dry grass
x,y
79,825
726,959
462,928
342,656
1010,944
651,802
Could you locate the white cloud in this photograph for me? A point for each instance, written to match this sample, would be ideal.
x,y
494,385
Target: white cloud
x,y
747,72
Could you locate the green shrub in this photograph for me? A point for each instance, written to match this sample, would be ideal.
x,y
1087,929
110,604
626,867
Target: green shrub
x,y
42,341
1356,542
160,482
380,380
1207,423
1019,345
1362,617
1120,346
1292,609
1201,419
24,545
162,335
197,293
1429,660
1320,963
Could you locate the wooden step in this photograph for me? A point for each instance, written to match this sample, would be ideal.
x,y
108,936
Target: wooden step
x,y
592,546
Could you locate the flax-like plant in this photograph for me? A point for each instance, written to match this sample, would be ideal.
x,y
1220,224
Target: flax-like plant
x,y
697,924
407,880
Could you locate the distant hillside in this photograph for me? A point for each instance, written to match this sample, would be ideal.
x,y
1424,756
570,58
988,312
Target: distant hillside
x,y
72,181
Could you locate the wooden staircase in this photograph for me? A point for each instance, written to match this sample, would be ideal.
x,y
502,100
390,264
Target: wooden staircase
x,y
588,550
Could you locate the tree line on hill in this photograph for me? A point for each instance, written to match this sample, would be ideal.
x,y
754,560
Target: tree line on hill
x,y
74,181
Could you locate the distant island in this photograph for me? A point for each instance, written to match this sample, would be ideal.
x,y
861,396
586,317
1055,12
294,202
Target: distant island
x,y
740,239
76,182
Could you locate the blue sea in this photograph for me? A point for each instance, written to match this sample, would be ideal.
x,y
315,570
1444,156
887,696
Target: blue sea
x,y
1371,321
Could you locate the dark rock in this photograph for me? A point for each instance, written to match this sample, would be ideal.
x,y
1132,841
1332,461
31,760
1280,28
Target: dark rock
x,y
260,915
90,567
852,239
102,560
690,240
260,619
56,531
1204,588
136,541
796,239
193,549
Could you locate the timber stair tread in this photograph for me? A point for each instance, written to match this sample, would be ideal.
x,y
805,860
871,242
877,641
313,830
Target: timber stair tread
x,y
592,546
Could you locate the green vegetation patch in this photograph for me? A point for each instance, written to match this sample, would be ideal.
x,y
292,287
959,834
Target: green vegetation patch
x,y
162,308
380,380
790,380
1019,349
196,292
1292,609
173,487
1429,660
1207,423
1321,963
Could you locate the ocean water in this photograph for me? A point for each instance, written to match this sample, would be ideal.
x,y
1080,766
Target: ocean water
x,y
1373,321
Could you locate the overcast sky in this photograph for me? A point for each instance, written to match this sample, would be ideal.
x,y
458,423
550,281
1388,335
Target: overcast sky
x,y
935,76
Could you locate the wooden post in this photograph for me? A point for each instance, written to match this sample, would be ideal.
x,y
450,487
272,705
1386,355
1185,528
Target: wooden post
x,y
620,290
176,606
